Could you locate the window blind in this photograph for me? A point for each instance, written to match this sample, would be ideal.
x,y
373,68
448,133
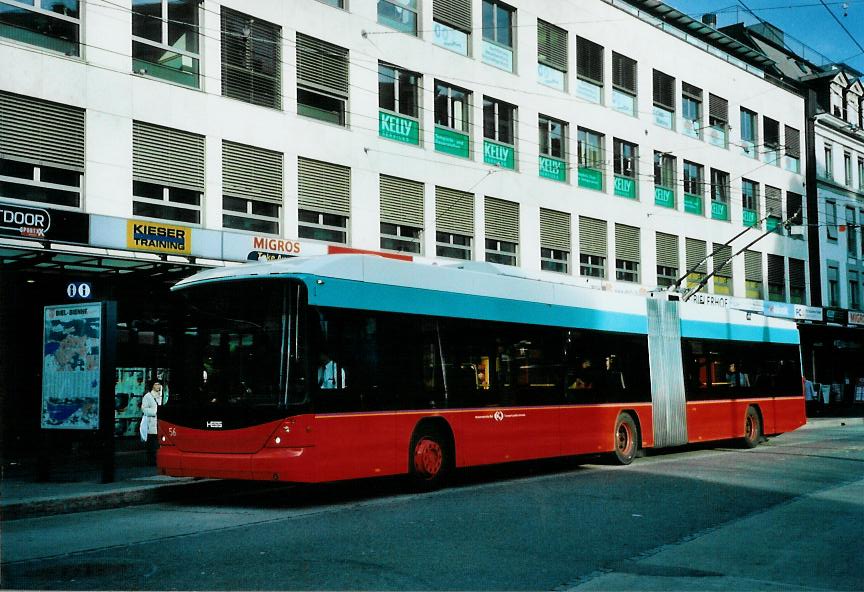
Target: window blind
x,y
454,211
753,266
796,273
551,45
592,236
41,132
776,273
322,65
589,60
401,201
627,243
696,250
664,90
456,13
723,260
323,186
554,230
502,219
667,250
167,156
771,130
251,173
718,108
773,201
793,142
624,73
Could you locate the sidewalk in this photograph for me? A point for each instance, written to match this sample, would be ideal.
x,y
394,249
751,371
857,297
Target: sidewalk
x,y
23,496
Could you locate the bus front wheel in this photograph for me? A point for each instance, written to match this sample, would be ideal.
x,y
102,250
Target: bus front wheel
x,y
430,458
752,428
626,439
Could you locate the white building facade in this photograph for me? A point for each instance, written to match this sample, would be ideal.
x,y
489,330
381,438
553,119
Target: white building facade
x,y
578,139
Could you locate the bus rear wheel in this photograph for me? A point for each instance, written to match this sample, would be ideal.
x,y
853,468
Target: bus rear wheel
x,y
626,439
752,428
430,458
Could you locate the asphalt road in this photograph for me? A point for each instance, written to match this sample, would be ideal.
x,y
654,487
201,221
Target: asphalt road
x,y
788,515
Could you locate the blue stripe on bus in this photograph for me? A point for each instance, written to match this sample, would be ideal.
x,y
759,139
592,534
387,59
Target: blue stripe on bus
x,y
725,331
399,299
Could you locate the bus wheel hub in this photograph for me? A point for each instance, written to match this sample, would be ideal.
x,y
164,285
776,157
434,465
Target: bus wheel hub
x,y
427,457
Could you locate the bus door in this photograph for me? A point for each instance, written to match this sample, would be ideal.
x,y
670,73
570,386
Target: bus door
x,y
667,373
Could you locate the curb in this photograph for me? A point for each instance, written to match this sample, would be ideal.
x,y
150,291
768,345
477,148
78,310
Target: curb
x,y
831,422
117,498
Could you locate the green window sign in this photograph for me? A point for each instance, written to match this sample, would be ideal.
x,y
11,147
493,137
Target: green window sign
x,y
499,154
451,142
625,187
401,129
693,204
719,210
552,168
750,218
591,179
664,197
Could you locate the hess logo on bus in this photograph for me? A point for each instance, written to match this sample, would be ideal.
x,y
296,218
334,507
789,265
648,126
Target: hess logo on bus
x,y
214,424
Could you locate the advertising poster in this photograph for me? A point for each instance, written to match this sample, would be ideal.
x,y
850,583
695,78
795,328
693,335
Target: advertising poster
x,y
70,366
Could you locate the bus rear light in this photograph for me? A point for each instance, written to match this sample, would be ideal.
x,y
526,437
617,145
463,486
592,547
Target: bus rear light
x,y
287,435
167,435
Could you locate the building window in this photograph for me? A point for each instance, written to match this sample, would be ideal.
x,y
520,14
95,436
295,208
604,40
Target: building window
x,y
776,278
771,131
851,233
793,149
554,241
795,212
322,80
718,121
553,156
334,3
861,173
167,172
168,203
722,263
667,259
251,188
691,110
750,202
502,231
503,252
592,247
552,56
398,14
398,237
499,126
753,275
847,168
719,195
321,226
589,70
165,40
696,253
854,291
664,100
796,281
592,266
51,134
749,133
323,200
454,221
49,24
251,59
831,220
40,183
623,84
452,120
665,179
401,214
694,182
398,100
452,25
829,161
454,246
627,253
591,161
833,286
554,260
625,159
498,34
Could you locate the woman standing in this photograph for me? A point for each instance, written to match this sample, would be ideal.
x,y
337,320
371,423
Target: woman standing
x,y
150,407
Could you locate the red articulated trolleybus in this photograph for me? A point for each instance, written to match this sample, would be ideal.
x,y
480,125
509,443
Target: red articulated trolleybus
x,y
348,366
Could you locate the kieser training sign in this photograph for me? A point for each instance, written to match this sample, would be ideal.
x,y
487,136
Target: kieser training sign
x,y
158,238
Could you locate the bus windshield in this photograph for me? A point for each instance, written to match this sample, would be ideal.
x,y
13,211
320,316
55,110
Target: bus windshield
x,y
236,344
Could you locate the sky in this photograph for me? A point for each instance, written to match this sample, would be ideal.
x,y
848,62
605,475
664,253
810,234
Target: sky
x,y
808,21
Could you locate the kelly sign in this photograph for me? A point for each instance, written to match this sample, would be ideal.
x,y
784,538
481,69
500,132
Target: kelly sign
x,y
401,129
